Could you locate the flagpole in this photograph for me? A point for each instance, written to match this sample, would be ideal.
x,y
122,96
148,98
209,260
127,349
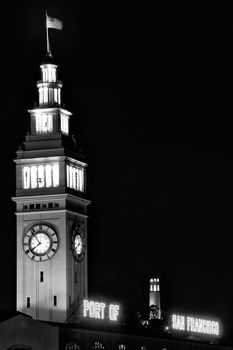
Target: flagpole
x,y
47,36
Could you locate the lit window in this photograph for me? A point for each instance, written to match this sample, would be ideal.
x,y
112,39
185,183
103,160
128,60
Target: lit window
x,y
70,178
33,176
45,90
44,123
73,169
55,173
55,95
26,177
98,345
41,176
53,75
59,96
40,96
64,124
122,347
143,347
50,95
81,180
158,288
154,288
48,175
75,178
72,345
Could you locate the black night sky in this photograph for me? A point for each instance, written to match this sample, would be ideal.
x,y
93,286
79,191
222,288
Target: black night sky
x,y
151,89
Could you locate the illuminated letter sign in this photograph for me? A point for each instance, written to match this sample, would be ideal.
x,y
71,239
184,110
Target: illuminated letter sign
x,y
194,324
113,312
94,309
178,322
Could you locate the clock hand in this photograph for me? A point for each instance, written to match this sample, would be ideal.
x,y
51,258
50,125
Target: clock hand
x,y
35,236
36,246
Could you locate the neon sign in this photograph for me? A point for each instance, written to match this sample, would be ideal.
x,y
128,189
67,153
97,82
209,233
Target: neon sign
x,y
94,309
194,324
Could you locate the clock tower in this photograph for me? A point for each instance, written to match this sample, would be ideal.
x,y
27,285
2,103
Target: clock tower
x,y
51,209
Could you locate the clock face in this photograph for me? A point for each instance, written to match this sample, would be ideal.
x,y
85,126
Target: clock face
x,y
77,243
40,243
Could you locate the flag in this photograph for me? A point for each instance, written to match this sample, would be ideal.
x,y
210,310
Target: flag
x,y
54,23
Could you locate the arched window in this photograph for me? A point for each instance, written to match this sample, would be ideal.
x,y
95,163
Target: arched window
x,y
122,347
143,347
20,347
98,345
73,344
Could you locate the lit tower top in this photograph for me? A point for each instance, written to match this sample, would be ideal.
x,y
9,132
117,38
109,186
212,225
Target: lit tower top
x,y
49,142
49,87
49,117
154,299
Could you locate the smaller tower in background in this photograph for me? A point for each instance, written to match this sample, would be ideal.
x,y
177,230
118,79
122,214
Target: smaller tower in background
x,y
154,299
